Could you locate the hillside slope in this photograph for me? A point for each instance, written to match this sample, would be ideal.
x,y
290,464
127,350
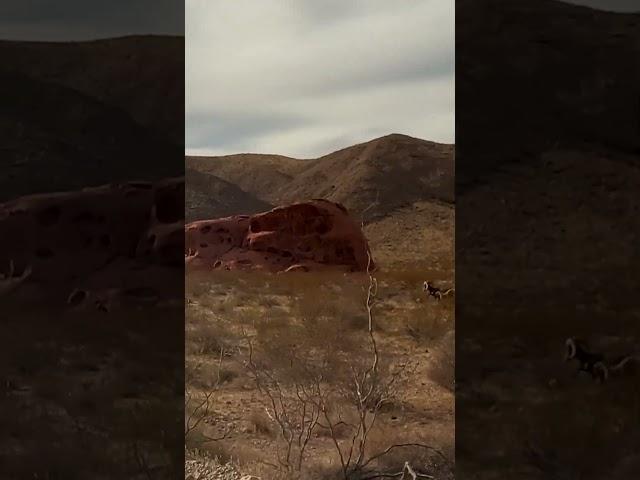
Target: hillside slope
x,y
535,75
57,139
208,196
142,75
388,172
81,114
261,175
392,172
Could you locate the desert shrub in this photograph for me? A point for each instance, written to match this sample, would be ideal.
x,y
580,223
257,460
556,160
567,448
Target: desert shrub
x,y
206,340
427,325
260,423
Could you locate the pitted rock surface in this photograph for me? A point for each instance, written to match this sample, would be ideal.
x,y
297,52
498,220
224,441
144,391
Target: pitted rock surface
x,y
304,236
72,238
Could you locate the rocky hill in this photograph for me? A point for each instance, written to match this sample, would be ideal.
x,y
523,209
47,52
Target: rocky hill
x,y
88,113
535,75
208,196
142,75
390,172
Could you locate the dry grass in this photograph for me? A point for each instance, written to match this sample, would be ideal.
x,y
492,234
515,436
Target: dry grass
x,y
442,368
75,379
549,421
301,325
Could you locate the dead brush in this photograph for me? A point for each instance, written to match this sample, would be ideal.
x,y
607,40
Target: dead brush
x,y
261,424
206,341
314,383
427,324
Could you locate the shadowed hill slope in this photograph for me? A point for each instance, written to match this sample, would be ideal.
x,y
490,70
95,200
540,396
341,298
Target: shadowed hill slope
x,y
77,114
142,75
535,73
261,175
57,139
208,196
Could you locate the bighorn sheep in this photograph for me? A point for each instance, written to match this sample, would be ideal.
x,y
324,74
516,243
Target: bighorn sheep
x,y
435,292
594,363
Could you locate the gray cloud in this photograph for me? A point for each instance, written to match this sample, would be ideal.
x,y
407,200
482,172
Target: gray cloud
x,y
304,78
234,129
66,20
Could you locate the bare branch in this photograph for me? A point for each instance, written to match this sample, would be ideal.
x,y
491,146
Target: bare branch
x,y
406,445
406,470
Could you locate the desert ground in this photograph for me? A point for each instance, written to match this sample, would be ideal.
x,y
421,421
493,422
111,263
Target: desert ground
x,y
305,336
92,323
546,244
527,287
86,394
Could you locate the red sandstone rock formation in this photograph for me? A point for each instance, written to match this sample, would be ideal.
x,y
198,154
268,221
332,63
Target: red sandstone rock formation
x,y
300,237
108,231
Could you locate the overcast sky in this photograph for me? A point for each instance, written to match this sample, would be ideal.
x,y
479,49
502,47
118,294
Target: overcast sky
x,y
68,20
306,77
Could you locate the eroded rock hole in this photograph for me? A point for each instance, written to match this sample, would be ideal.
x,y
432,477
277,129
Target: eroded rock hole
x,y
255,226
77,297
49,216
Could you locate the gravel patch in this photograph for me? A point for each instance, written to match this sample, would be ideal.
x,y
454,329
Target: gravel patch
x,y
203,469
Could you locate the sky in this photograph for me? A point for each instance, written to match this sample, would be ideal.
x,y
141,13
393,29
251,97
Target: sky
x,y
304,78
296,77
72,20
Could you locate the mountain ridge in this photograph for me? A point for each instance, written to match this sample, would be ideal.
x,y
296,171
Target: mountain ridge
x,y
389,172
89,113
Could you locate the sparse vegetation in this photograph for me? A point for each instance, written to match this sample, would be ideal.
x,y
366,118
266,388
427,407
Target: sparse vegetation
x,y
338,376
74,379
324,377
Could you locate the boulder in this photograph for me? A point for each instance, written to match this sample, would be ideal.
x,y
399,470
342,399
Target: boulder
x,y
68,237
306,236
